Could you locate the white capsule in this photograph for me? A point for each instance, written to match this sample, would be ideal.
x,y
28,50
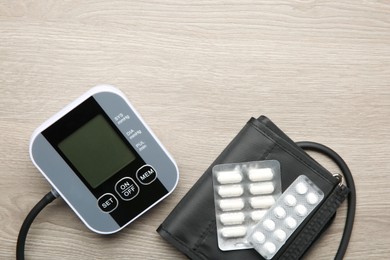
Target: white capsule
x,y
263,202
279,212
269,225
280,235
290,200
301,188
312,198
290,222
301,210
257,214
263,174
226,191
232,218
261,188
270,247
231,204
258,237
228,177
229,232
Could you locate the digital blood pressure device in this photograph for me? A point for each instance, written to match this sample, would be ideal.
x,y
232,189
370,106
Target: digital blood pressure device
x,y
103,160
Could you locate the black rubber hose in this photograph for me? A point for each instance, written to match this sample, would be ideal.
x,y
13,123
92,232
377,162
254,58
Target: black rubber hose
x,y
20,245
351,209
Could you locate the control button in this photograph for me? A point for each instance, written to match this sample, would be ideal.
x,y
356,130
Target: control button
x,y
127,188
107,202
146,174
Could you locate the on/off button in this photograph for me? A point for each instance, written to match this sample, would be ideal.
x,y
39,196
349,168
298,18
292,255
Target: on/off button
x,y
126,188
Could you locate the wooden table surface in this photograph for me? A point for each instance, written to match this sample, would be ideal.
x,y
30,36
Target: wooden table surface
x,y
197,71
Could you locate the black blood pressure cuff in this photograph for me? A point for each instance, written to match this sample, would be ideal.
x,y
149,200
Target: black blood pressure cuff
x,y
191,226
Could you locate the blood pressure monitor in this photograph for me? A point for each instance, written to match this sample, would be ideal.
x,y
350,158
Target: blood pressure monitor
x,y
103,160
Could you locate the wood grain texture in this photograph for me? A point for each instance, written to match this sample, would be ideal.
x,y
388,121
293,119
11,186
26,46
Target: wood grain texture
x,y
196,71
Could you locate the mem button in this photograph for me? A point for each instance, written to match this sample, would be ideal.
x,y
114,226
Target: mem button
x,y
126,188
107,203
146,174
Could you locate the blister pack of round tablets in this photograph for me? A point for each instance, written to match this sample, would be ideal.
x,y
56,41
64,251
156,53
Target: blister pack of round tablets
x,y
285,216
243,192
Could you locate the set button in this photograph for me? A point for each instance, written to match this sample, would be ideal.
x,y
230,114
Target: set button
x,y
107,202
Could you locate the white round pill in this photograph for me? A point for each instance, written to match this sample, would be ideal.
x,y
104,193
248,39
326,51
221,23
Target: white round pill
x,y
269,224
279,212
291,223
258,237
301,188
290,200
301,210
280,235
312,198
270,247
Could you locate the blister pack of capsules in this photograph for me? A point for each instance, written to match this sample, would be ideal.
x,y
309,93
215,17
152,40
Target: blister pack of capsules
x,y
285,216
243,192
